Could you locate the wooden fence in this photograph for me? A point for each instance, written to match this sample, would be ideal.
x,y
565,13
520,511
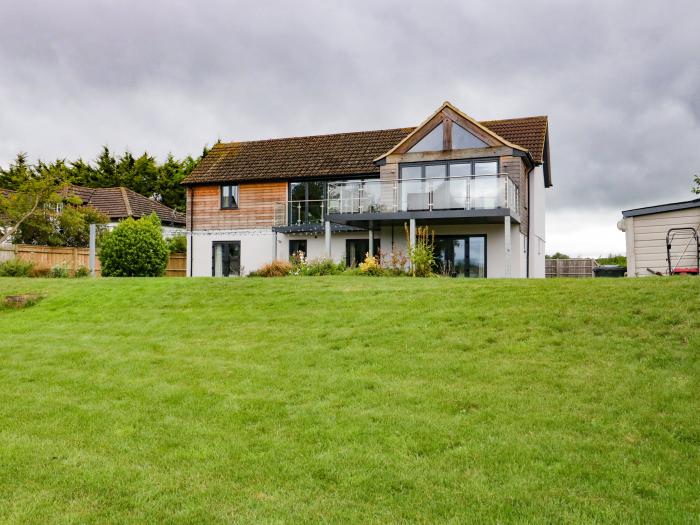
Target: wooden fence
x,y
576,268
46,257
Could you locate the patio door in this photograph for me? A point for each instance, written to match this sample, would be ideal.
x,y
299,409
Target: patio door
x,y
357,249
226,258
461,255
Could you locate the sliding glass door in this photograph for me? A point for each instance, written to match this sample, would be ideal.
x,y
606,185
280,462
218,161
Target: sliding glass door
x,y
461,255
226,259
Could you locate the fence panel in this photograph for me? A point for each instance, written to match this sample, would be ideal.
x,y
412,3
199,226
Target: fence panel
x,y
46,257
576,268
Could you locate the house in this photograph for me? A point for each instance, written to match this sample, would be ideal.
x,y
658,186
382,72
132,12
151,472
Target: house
x,y
647,231
118,203
478,185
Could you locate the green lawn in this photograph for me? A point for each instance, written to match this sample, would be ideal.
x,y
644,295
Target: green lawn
x,y
350,399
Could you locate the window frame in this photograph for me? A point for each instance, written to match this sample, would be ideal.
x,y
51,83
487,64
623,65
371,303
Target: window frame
x,y
225,258
234,199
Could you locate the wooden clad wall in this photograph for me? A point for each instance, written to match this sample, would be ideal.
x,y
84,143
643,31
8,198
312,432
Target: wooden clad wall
x,y
515,168
649,238
256,206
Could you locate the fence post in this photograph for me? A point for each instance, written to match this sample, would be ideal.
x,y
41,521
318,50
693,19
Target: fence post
x,y
93,234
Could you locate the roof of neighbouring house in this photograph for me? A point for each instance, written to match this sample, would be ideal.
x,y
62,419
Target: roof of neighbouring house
x,y
340,154
661,208
120,202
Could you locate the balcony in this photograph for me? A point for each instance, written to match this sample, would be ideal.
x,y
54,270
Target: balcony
x,y
476,198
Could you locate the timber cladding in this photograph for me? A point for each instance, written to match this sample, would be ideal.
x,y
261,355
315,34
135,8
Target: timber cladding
x,y
256,206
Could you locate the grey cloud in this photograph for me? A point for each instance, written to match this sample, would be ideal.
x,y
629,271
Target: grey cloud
x,y
620,81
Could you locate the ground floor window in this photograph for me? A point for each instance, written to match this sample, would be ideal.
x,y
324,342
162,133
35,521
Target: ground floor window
x,y
461,255
297,245
226,258
357,249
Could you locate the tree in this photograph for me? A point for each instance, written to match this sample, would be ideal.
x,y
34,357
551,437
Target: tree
x,y
68,225
34,190
134,249
558,255
696,185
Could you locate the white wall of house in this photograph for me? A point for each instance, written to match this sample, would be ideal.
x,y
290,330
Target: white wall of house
x,y
495,244
257,247
646,241
537,229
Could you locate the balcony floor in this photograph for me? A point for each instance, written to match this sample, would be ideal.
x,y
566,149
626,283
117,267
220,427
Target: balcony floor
x,y
364,220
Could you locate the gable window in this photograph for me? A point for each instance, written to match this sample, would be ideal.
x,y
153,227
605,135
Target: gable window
x,y
462,139
229,196
431,142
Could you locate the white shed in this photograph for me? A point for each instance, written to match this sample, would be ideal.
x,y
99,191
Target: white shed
x,y
646,231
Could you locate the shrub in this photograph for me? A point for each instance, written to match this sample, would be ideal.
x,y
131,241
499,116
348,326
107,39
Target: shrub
x,y
58,272
274,269
82,271
318,267
620,260
177,244
370,266
16,268
134,249
422,255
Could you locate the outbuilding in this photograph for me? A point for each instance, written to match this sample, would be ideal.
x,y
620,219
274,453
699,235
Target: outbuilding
x,y
662,239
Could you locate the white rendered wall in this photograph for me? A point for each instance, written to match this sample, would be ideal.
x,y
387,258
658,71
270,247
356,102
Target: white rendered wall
x,y
537,219
495,244
316,244
256,249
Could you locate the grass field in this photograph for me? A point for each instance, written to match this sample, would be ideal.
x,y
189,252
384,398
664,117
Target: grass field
x,y
347,399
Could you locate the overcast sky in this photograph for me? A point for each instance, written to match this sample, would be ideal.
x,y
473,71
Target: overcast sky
x,y
619,80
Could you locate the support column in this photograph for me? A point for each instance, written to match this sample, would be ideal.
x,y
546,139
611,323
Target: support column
x,y
507,263
327,238
93,237
274,246
371,240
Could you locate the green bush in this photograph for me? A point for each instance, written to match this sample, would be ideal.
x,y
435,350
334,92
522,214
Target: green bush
x,y
177,244
58,272
422,255
16,268
620,260
134,249
82,271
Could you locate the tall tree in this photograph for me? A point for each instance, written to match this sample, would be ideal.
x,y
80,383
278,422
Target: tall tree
x,y
696,185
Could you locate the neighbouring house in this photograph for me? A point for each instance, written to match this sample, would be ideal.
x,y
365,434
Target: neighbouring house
x,y
118,203
480,186
648,230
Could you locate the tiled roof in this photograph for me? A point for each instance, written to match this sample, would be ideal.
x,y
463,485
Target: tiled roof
x,y
339,154
120,203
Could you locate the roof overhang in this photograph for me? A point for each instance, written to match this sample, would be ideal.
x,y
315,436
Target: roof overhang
x,y
661,208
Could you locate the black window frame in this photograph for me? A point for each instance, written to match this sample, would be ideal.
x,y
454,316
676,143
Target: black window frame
x,y
466,238
234,200
297,243
225,263
348,262
448,163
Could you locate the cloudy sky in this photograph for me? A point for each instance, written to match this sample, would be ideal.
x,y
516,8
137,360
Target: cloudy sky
x,y
619,80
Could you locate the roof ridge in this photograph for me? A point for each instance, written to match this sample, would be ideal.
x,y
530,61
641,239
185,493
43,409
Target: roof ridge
x,y
319,135
513,119
125,196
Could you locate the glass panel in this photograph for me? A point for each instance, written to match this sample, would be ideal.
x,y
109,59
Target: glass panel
x,y
234,259
477,257
412,195
458,256
315,197
371,196
218,260
297,211
233,196
431,142
486,168
437,185
296,246
459,180
462,139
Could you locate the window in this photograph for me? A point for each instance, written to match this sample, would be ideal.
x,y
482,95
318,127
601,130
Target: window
x,y
462,139
461,256
306,202
297,245
431,142
229,196
449,185
357,249
226,258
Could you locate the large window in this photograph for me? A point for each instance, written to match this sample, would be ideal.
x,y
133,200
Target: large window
x,y
229,196
461,256
433,141
296,246
462,139
357,249
226,258
448,185
306,202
